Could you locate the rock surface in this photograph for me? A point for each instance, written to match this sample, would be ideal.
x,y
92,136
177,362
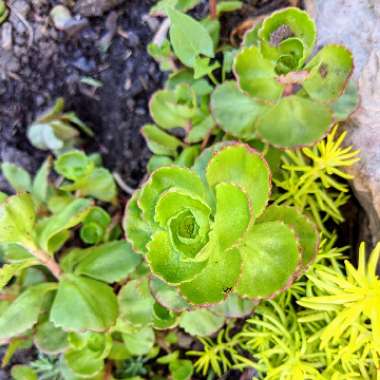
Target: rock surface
x,y
356,24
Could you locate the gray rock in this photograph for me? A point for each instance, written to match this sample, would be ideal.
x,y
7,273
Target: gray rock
x,y
94,8
356,24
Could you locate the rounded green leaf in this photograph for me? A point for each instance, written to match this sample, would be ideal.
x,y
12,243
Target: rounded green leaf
x,y
23,372
73,214
136,303
201,322
234,307
23,313
170,264
139,341
240,165
162,180
233,214
167,296
156,162
83,304
256,75
73,165
329,71
138,232
217,279
50,339
270,257
294,121
232,217
284,24
346,104
163,318
305,230
172,109
17,220
84,364
109,262
181,369
234,111
160,142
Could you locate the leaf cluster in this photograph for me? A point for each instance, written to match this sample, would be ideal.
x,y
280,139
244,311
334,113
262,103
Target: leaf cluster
x,y
281,95
208,230
57,130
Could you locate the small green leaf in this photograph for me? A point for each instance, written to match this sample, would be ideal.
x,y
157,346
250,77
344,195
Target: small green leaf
x,y
294,121
42,136
284,24
99,184
200,322
171,109
181,369
17,220
109,262
156,162
23,372
138,231
50,339
84,363
169,263
228,6
200,130
256,75
163,179
270,257
73,165
329,71
136,303
234,111
162,54
160,142
246,169
202,67
23,313
18,178
69,217
188,38
7,271
83,304
167,296
41,182
139,341
305,230
188,156
346,104
234,307
163,318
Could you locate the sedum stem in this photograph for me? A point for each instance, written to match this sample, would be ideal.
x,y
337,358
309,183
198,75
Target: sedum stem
x,y
212,9
46,260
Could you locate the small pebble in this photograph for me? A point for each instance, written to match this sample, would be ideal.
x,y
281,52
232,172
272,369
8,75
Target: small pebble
x,y
60,16
6,36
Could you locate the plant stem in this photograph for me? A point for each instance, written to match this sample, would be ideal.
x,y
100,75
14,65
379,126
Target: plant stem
x,y
212,9
46,260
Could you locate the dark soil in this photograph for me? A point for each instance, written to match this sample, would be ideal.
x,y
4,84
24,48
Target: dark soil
x,y
33,77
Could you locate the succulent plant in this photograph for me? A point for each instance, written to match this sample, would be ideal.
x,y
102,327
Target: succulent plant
x,y
278,94
208,230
